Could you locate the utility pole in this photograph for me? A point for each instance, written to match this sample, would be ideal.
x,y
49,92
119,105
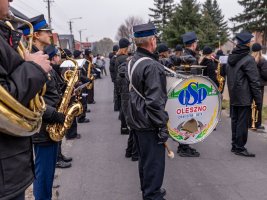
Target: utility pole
x,y
80,32
70,24
49,11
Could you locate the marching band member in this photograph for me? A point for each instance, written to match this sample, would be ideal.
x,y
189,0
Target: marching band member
x,y
23,79
262,68
244,86
120,59
91,93
211,66
72,132
146,111
45,149
55,61
190,41
113,74
83,78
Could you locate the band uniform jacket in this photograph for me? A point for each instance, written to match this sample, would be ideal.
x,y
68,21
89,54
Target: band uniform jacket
x,y
262,67
23,80
150,80
242,77
119,61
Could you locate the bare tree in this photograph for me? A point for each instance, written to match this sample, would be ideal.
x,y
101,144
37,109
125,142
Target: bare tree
x,y
126,29
103,47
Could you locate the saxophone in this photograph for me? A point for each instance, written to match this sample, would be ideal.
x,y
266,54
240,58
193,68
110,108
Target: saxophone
x,y
90,76
219,78
16,119
71,110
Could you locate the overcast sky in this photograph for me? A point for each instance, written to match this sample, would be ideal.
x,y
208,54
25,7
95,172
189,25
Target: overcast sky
x,y
101,18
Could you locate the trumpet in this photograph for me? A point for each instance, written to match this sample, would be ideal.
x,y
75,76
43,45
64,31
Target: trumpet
x,y
254,115
16,119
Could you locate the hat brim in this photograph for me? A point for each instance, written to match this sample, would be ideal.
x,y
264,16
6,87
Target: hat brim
x,y
45,29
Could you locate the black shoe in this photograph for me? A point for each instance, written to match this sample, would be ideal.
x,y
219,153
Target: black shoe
x,y
233,149
163,192
134,159
88,110
92,102
62,164
128,155
188,152
85,120
245,153
65,158
260,127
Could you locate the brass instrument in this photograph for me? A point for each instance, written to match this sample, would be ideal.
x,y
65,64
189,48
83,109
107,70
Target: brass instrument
x,y
58,131
219,78
254,115
90,76
16,119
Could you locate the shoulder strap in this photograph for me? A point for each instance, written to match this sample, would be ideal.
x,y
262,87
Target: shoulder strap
x,y
130,74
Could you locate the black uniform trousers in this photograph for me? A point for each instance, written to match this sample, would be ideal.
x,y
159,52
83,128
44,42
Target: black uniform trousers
x,y
258,123
151,164
131,145
82,116
240,121
91,94
116,98
72,132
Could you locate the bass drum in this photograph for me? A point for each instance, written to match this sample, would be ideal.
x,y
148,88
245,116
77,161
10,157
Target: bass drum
x,y
194,107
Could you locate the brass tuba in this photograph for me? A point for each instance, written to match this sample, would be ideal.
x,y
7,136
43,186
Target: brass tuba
x,y
16,119
71,110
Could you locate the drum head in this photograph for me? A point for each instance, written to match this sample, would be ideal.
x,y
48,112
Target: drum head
x,y
194,107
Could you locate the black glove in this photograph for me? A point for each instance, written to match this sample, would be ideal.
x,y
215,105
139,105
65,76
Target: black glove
x,y
163,135
58,117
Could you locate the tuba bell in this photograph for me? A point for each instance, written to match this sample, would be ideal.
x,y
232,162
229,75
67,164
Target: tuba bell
x,y
16,119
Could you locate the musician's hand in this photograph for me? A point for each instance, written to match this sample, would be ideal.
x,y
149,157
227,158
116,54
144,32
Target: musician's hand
x,y
163,135
39,58
58,117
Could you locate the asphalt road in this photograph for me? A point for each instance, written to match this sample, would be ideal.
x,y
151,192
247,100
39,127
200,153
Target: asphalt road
x,y
101,172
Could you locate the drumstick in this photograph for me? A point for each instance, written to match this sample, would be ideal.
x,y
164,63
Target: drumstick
x,y
170,152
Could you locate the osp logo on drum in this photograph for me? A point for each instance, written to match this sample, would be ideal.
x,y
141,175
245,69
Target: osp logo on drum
x,y
193,90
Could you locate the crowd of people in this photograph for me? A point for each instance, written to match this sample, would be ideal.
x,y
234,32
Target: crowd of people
x,y
140,95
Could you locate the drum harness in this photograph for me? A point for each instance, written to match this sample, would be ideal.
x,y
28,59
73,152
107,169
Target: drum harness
x,y
130,74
